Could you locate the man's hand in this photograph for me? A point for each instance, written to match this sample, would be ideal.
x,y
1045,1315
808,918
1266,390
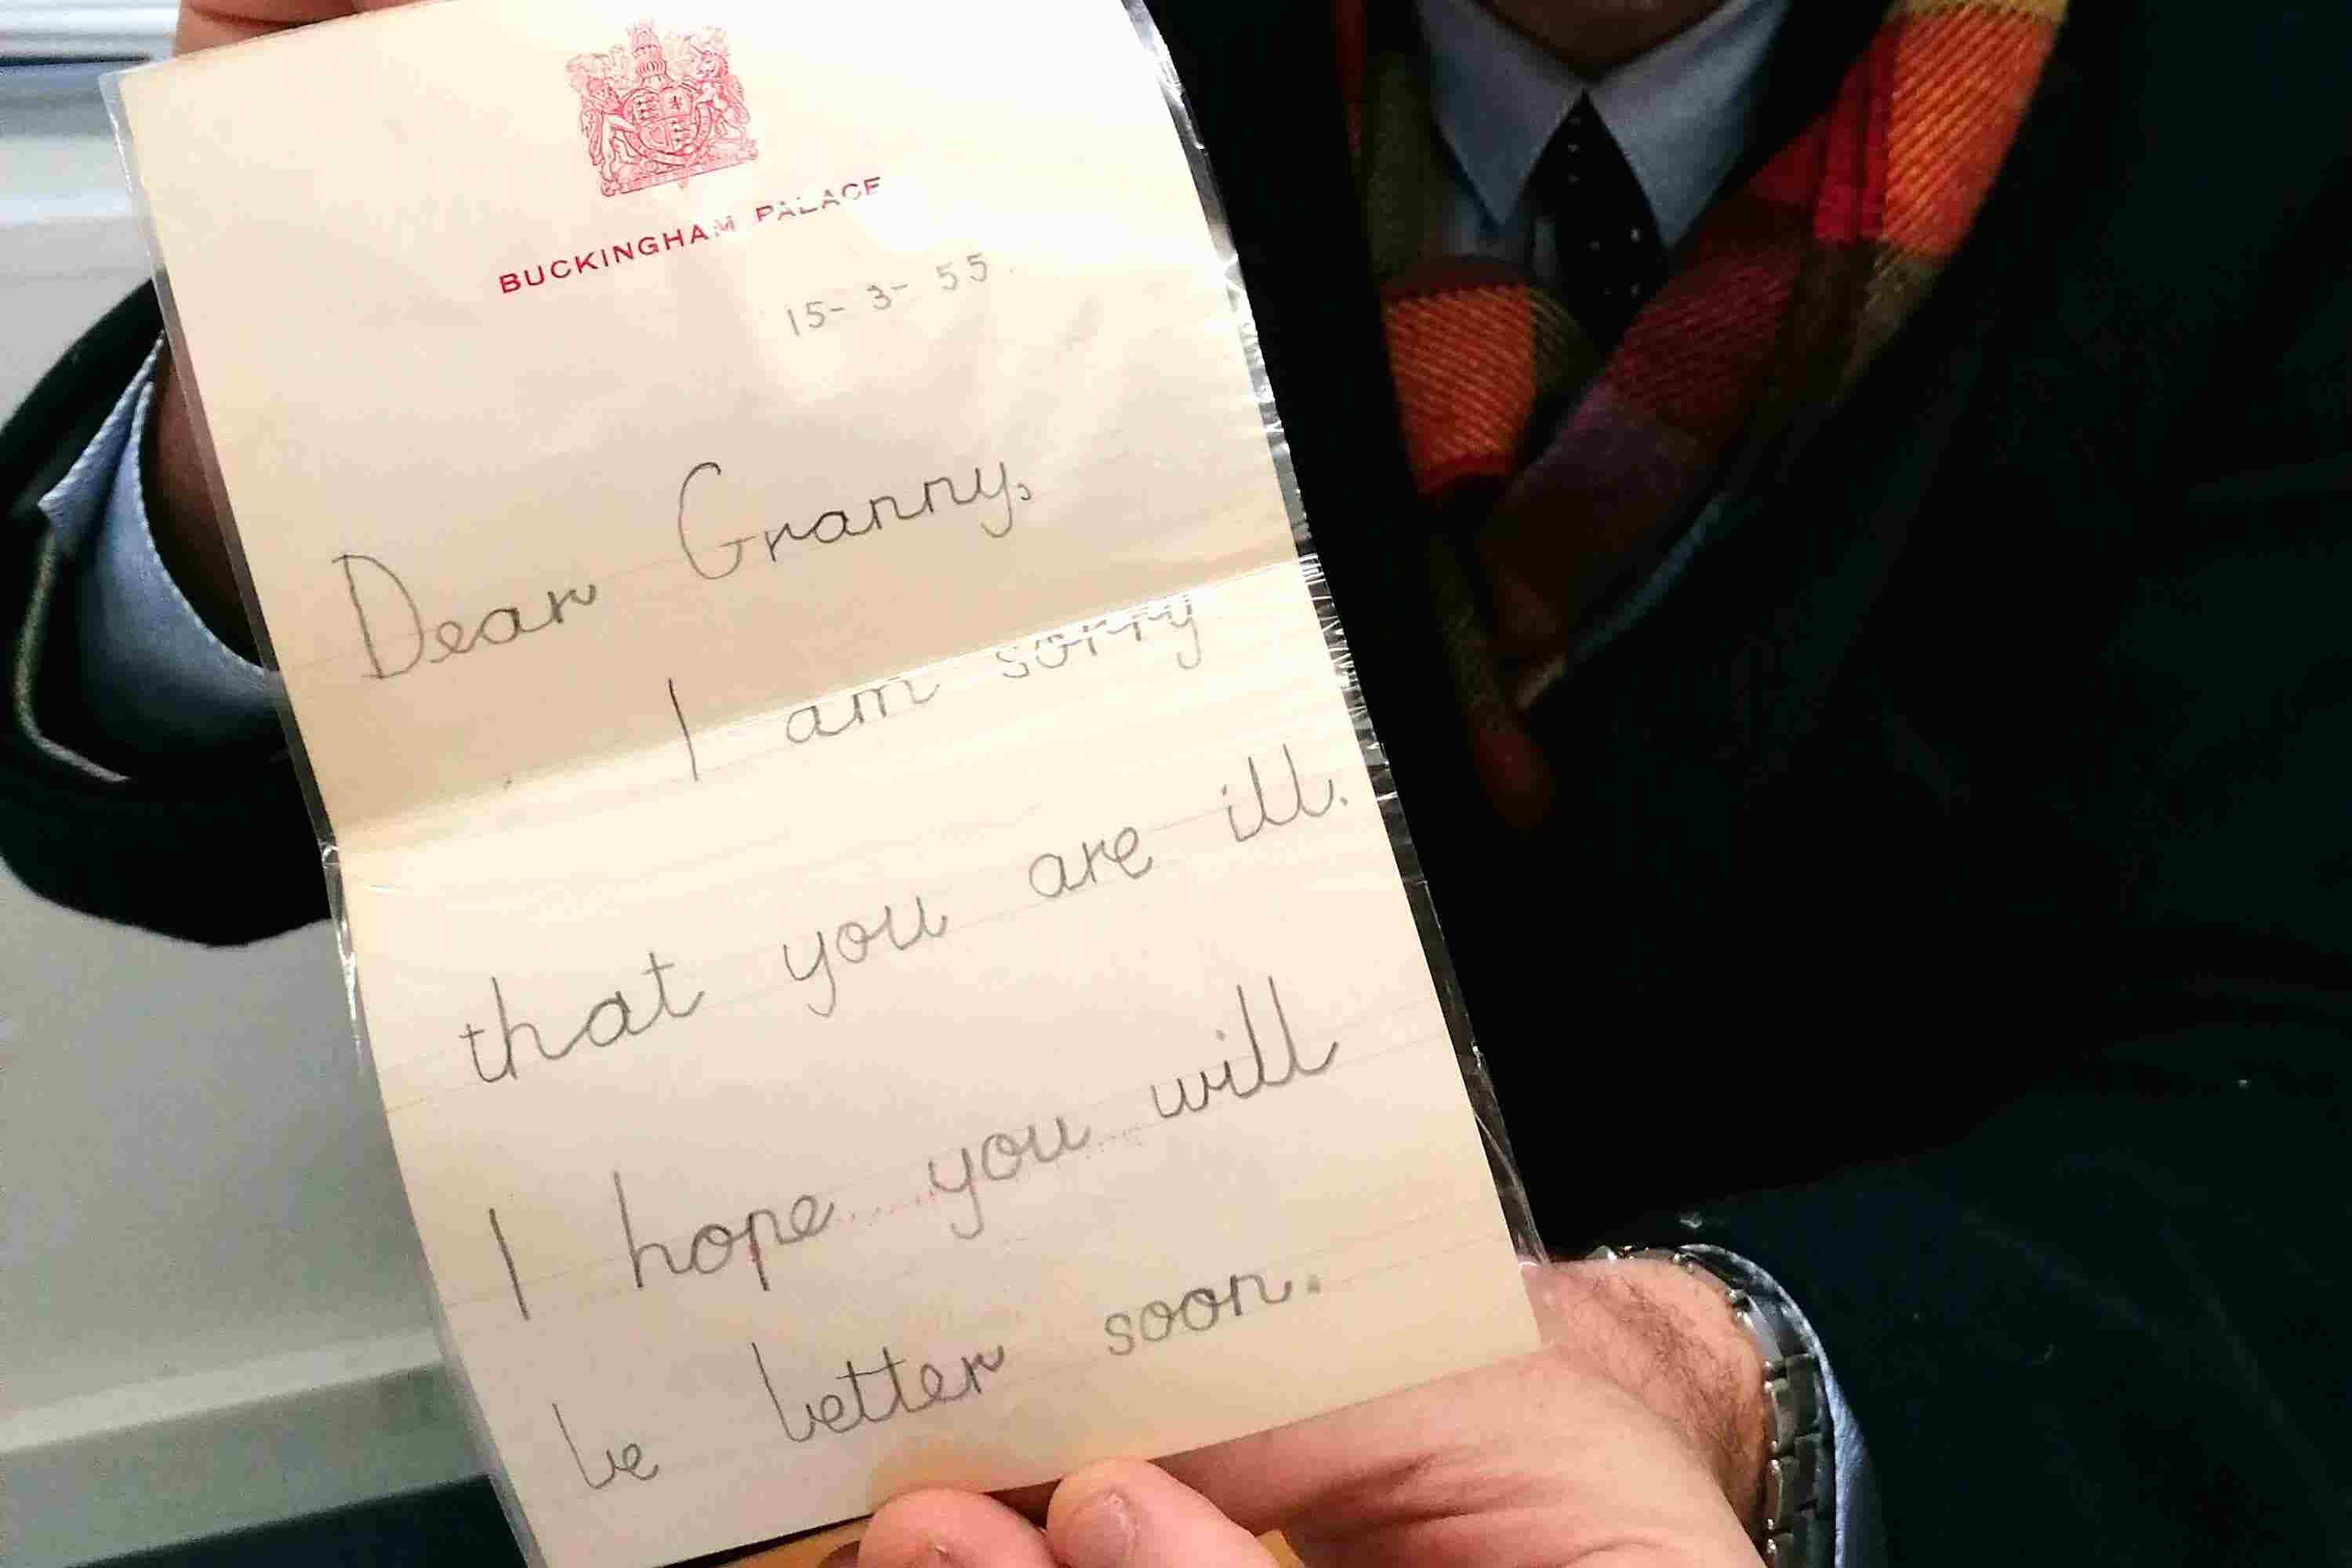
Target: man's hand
x,y
1635,1441
187,526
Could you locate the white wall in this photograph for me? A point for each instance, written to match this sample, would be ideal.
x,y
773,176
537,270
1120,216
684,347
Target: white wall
x,y
211,1309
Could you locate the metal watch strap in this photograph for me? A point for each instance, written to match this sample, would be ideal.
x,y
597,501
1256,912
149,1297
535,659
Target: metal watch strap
x,y
1800,1525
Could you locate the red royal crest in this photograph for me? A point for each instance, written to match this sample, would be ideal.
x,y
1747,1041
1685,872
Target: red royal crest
x,y
665,106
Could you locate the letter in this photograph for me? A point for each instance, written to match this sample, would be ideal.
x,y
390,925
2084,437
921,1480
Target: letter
x,y
844,934
1064,1144
1167,1320
805,1219
1319,1068
612,1471
507,1032
629,1240
631,1456
973,1365
762,212
1193,623
586,263
824,962
471,1034
1003,489
699,236
1012,1149
1234,823
1257,787
979,1222
881,701
736,561
1224,1081
587,1030
514,627
1061,877
830,200
935,1385
555,606
1329,788
871,183
817,724
1021,666
367,633
1199,1293
453,641
922,920
850,1376
1118,1327
662,1008
1123,847
647,244
724,226
1257,1054
1061,643
534,282
624,250
513,1277
726,1243
673,240
761,1363
509,284
559,269
840,1409
1234,1286
890,1364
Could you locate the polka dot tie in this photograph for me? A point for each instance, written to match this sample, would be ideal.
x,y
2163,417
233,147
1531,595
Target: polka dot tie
x,y
1610,258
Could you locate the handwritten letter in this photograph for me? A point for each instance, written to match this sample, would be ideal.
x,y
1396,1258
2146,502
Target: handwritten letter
x,y
882,956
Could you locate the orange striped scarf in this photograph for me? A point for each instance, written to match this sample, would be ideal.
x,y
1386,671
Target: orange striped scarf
x,y
1780,298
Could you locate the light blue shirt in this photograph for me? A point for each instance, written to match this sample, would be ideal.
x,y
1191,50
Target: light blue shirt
x,y
1682,113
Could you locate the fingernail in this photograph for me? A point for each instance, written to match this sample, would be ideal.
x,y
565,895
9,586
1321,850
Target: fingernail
x,y
1101,1535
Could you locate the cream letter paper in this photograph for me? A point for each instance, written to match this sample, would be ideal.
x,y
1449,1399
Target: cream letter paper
x,y
882,956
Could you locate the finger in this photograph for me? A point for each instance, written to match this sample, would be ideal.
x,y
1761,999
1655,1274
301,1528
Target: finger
x,y
934,1528
1127,1514
207,23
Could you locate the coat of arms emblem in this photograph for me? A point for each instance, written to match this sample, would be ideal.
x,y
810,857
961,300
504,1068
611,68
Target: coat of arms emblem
x,y
665,106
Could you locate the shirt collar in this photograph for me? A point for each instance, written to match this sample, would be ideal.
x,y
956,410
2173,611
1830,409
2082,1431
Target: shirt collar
x,y
1681,113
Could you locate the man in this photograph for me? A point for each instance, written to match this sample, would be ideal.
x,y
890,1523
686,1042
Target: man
x,y
1841,515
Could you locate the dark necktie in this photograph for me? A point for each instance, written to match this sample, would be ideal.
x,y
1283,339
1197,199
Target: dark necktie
x,y
1611,259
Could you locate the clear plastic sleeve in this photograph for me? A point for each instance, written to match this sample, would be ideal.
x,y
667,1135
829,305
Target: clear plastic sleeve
x,y
742,733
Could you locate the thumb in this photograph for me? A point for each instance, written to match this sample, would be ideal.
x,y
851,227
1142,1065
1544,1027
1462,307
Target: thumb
x,y
1129,1515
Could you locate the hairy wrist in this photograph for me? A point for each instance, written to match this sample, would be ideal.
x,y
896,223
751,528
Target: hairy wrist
x,y
1666,1337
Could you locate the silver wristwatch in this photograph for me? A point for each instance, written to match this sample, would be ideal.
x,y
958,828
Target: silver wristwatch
x,y
1799,1527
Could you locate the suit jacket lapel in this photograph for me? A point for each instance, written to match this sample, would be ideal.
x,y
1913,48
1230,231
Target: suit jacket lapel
x,y
1263,83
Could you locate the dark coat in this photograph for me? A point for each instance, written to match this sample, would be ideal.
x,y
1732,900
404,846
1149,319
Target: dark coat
x,y
1956,863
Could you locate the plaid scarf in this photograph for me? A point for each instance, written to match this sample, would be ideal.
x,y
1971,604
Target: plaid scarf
x,y
1781,297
